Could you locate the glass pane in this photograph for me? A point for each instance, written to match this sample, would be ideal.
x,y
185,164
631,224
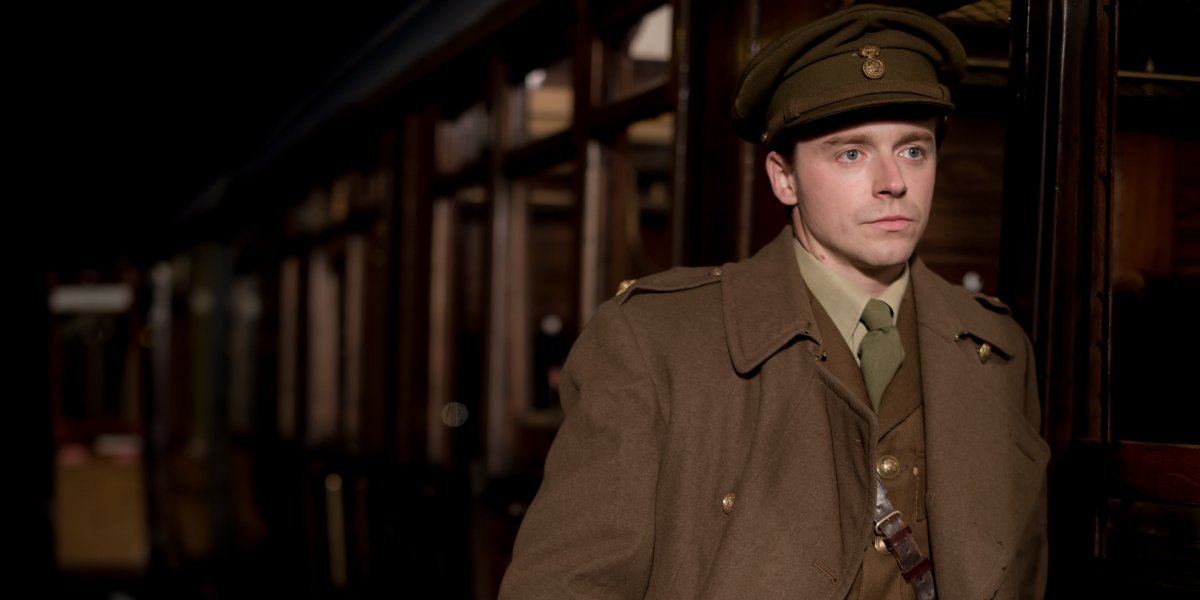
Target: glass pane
x,y
323,372
1156,226
962,240
1155,279
639,57
983,28
640,181
461,140
469,306
289,343
545,101
552,262
93,349
244,330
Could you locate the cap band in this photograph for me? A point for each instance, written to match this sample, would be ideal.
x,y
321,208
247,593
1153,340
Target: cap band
x,y
862,93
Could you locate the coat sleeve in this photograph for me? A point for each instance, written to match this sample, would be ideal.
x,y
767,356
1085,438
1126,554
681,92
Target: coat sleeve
x,y
589,532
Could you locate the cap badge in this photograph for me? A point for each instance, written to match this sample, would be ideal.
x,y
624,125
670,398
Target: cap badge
x,y
872,67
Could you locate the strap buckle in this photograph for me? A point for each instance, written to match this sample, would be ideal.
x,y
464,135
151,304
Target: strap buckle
x,y
895,514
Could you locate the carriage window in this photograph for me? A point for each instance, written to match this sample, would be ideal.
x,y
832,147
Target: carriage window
x,y
457,337
543,101
245,327
962,241
93,344
641,211
1156,225
548,320
460,140
638,57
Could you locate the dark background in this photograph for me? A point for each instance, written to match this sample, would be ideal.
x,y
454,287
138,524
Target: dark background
x,y
119,118
126,115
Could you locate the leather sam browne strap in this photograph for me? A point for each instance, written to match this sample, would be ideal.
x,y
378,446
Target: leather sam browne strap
x,y
914,567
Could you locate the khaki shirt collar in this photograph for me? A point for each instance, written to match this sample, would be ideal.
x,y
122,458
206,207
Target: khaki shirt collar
x,y
841,299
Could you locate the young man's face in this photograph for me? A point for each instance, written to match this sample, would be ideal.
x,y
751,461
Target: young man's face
x,y
861,195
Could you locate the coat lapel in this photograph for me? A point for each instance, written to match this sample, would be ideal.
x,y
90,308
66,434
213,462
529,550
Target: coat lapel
x,y
979,476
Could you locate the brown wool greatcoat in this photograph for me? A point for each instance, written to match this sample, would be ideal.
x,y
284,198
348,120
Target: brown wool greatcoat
x,y
696,383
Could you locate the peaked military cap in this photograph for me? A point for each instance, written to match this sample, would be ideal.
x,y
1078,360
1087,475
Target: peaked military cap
x,y
865,56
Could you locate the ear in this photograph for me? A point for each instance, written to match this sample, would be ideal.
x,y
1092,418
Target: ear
x,y
783,183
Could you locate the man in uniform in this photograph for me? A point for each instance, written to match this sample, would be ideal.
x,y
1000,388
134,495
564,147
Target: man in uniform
x,y
827,419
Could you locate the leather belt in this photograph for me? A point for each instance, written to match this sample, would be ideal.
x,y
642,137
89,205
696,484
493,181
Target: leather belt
x,y
915,568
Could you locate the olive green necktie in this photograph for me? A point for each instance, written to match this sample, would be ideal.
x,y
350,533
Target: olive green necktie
x,y
881,351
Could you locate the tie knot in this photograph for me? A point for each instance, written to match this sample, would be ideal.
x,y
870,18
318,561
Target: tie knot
x,y
877,314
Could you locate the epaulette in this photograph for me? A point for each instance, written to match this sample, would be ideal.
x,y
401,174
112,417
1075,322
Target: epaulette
x,y
990,340
992,303
671,280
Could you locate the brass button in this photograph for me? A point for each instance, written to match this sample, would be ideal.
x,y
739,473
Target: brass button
x,y
985,352
715,271
880,545
888,466
727,502
624,285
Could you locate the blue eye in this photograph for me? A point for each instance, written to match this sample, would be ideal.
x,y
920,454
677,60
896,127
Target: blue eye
x,y
914,152
851,155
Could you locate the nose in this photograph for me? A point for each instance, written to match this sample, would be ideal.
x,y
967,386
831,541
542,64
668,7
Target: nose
x,y
889,180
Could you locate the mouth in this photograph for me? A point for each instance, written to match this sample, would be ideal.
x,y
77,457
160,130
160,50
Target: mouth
x,y
891,223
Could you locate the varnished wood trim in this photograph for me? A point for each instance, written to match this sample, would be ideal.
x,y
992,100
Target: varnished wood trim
x,y
1165,472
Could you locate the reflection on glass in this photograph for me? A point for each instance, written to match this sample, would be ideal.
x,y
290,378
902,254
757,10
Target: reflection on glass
x,y
546,97
639,57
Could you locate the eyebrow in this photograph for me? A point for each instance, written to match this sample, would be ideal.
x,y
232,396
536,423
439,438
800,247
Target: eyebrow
x,y
916,136
919,135
854,139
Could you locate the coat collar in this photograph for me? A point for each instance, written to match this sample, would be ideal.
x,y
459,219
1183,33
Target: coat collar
x,y
760,319
766,304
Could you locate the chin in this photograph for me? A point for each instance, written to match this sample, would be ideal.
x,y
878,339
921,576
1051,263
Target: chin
x,y
890,257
